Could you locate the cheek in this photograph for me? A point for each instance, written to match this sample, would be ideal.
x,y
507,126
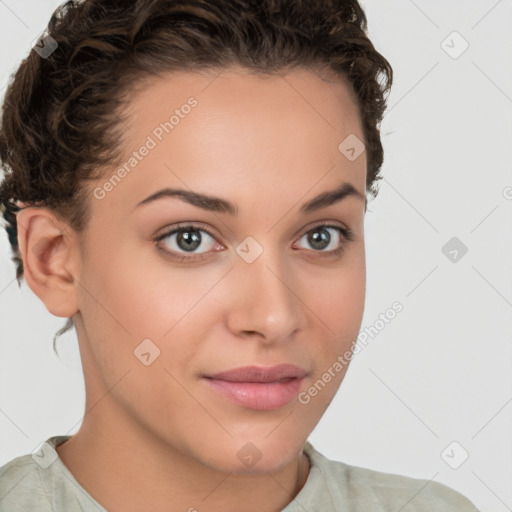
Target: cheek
x,y
134,287
340,299
340,307
133,307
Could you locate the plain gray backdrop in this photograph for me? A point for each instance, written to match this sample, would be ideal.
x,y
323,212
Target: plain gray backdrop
x,y
429,395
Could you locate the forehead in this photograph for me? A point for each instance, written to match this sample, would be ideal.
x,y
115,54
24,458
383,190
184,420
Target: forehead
x,y
237,91
220,131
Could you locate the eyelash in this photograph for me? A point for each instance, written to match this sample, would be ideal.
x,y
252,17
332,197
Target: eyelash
x,y
346,236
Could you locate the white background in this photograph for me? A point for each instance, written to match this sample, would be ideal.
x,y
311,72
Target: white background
x,y
441,370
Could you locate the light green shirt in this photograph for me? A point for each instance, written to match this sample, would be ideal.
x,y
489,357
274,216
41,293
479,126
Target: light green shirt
x,y
41,482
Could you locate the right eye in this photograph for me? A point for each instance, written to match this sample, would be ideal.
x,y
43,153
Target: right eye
x,y
186,238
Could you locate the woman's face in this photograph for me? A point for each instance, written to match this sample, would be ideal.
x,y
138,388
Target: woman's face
x,y
259,283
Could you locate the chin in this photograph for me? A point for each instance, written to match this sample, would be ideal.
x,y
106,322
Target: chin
x,y
243,456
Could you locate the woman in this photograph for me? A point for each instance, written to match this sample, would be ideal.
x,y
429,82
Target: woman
x,y
186,182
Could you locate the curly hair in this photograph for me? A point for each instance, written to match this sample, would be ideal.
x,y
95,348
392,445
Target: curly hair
x,y
60,119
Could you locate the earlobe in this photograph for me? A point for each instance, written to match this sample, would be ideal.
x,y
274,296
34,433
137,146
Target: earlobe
x,y
46,248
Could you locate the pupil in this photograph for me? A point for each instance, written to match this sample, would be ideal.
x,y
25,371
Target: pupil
x,y
190,238
318,237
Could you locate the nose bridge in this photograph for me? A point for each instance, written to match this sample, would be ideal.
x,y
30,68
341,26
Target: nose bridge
x,y
265,300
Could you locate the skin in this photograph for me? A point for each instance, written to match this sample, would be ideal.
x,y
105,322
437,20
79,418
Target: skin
x,y
157,437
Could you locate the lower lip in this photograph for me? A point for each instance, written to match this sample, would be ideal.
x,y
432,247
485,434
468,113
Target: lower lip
x,y
255,395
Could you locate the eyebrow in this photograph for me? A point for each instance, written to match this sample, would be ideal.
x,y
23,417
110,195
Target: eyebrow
x,y
216,204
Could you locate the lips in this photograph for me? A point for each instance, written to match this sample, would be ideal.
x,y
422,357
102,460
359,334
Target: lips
x,y
258,387
261,373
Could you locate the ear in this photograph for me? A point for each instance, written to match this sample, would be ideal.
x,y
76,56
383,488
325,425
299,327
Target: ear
x,y
48,248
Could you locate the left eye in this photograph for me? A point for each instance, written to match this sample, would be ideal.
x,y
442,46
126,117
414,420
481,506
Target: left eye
x,y
320,238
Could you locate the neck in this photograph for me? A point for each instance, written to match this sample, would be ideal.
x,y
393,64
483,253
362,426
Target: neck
x,y
126,468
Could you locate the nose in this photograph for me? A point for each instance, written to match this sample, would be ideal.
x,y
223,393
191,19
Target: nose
x,y
266,299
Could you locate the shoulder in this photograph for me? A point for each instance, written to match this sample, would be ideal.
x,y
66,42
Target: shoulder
x,y
21,487
359,486
41,482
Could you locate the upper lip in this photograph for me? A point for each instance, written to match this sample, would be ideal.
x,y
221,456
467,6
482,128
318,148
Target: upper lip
x,y
260,373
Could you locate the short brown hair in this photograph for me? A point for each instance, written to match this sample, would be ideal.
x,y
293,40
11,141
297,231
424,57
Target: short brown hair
x,y
59,122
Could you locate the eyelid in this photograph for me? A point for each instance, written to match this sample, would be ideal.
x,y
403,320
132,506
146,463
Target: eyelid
x,y
181,225
326,223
